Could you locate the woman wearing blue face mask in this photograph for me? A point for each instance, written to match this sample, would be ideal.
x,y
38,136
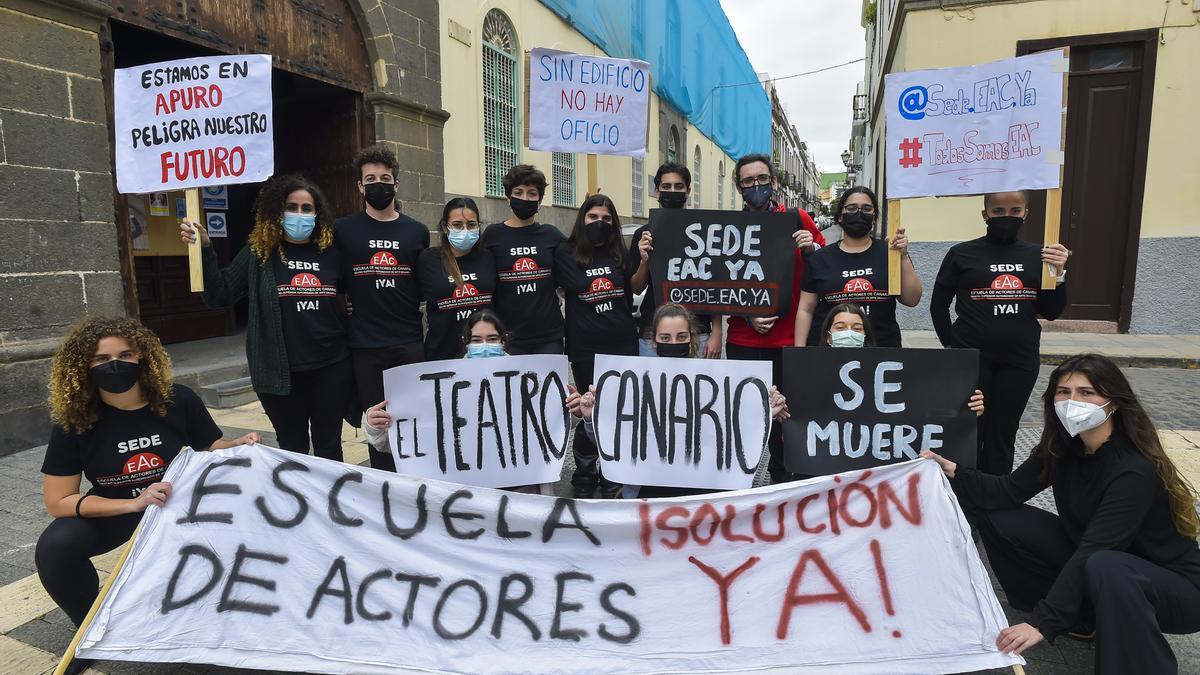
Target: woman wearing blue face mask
x,y
1120,556
456,278
296,344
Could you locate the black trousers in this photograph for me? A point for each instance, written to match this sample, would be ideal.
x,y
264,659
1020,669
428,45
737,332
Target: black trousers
x,y
318,399
369,365
775,466
550,347
1131,601
62,558
587,473
1006,390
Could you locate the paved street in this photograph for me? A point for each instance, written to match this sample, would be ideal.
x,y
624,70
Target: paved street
x,y
32,630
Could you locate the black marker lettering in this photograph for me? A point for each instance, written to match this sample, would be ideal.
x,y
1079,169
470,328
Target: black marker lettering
x,y
216,571
557,632
203,488
422,514
553,521
447,634
448,516
507,605
417,582
236,577
441,424
502,530
301,503
360,601
338,568
336,514
634,628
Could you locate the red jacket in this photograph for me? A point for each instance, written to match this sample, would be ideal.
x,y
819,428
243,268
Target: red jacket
x,y
782,334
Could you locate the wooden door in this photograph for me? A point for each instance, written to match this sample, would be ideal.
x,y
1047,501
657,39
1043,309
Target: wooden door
x,y
1107,131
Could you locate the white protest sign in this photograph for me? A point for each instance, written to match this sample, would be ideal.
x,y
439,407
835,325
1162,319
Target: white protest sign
x,y
193,122
589,104
681,422
993,127
496,422
267,559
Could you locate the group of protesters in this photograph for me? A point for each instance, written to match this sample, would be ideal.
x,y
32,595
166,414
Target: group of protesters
x,y
334,303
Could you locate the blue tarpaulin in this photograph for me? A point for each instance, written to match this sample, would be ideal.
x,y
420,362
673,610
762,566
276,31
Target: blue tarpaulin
x,y
693,55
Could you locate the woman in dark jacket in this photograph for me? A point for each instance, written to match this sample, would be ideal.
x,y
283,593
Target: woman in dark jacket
x,y
1121,554
296,332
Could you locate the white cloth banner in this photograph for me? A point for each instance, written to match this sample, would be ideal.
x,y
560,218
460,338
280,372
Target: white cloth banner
x,y
589,104
693,423
497,422
993,127
193,122
266,559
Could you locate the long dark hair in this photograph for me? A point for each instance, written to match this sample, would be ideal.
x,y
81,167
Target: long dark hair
x,y
449,262
578,239
1129,418
856,310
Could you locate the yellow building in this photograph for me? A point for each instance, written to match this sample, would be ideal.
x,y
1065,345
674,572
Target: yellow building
x,y
494,37
1130,207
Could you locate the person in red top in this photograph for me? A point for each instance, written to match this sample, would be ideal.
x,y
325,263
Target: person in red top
x,y
763,338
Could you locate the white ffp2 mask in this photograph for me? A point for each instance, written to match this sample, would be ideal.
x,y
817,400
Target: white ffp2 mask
x,y
1079,416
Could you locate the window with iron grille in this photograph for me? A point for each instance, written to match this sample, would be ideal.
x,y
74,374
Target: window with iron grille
x,y
721,184
673,145
563,175
639,185
501,121
696,179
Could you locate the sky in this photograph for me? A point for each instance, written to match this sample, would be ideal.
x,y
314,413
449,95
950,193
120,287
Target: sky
x,y
783,37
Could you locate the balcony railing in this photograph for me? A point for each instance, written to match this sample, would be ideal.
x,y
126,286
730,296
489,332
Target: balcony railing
x,y
860,107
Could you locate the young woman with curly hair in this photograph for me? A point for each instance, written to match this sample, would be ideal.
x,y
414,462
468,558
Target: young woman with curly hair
x,y
118,420
296,331
1120,556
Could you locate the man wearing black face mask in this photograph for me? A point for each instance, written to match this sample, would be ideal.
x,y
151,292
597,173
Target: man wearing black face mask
x,y
379,248
673,183
994,282
526,297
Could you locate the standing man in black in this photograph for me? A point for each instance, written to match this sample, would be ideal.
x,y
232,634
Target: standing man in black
x,y
380,246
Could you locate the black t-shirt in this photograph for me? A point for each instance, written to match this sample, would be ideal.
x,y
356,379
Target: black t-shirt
x,y
997,299
646,317
599,304
446,305
314,325
379,257
862,278
127,450
526,296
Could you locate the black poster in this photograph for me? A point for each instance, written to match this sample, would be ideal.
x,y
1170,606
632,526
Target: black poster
x,y
859,408
723,262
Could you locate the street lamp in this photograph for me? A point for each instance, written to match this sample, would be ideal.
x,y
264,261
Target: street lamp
x,y
846,158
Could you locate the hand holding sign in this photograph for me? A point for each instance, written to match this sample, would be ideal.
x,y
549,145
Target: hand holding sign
x,y
188,231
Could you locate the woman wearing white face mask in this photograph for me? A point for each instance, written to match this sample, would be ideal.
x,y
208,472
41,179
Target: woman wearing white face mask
x,y
1121,555
296,335
456,278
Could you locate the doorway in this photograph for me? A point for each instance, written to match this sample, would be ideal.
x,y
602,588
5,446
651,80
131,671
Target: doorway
x,y
1109,96
320,122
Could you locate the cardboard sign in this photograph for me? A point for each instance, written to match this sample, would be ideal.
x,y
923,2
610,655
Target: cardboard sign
x,y
589,104
862,408
217,225
271,560
495,422
681,422
193,122
988,128
723,262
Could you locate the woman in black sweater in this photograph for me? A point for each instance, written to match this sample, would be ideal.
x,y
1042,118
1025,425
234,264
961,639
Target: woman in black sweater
x,y
1121,554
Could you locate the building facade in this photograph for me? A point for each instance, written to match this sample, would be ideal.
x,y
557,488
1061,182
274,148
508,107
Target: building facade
x,y
442,84
799,179
1131,144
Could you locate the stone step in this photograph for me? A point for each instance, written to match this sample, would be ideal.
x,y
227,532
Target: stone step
x,y
228,394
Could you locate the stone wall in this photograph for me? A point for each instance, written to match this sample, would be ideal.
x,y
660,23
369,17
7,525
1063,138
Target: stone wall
x,y
58,245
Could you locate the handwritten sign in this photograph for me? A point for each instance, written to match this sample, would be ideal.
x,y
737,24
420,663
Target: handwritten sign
x,y
193,122
988,128
266,559
589,104
723,262
681,422
862,408
493,422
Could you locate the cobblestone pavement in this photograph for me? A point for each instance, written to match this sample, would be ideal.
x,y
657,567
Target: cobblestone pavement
x,y
33,631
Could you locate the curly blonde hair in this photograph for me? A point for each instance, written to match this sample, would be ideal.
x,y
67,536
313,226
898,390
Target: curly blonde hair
x,y
269,206
74,403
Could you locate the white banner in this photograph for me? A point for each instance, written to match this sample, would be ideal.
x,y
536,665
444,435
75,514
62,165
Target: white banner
x,y
589,104
694,423
993,127
266,559
498,422
193,122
